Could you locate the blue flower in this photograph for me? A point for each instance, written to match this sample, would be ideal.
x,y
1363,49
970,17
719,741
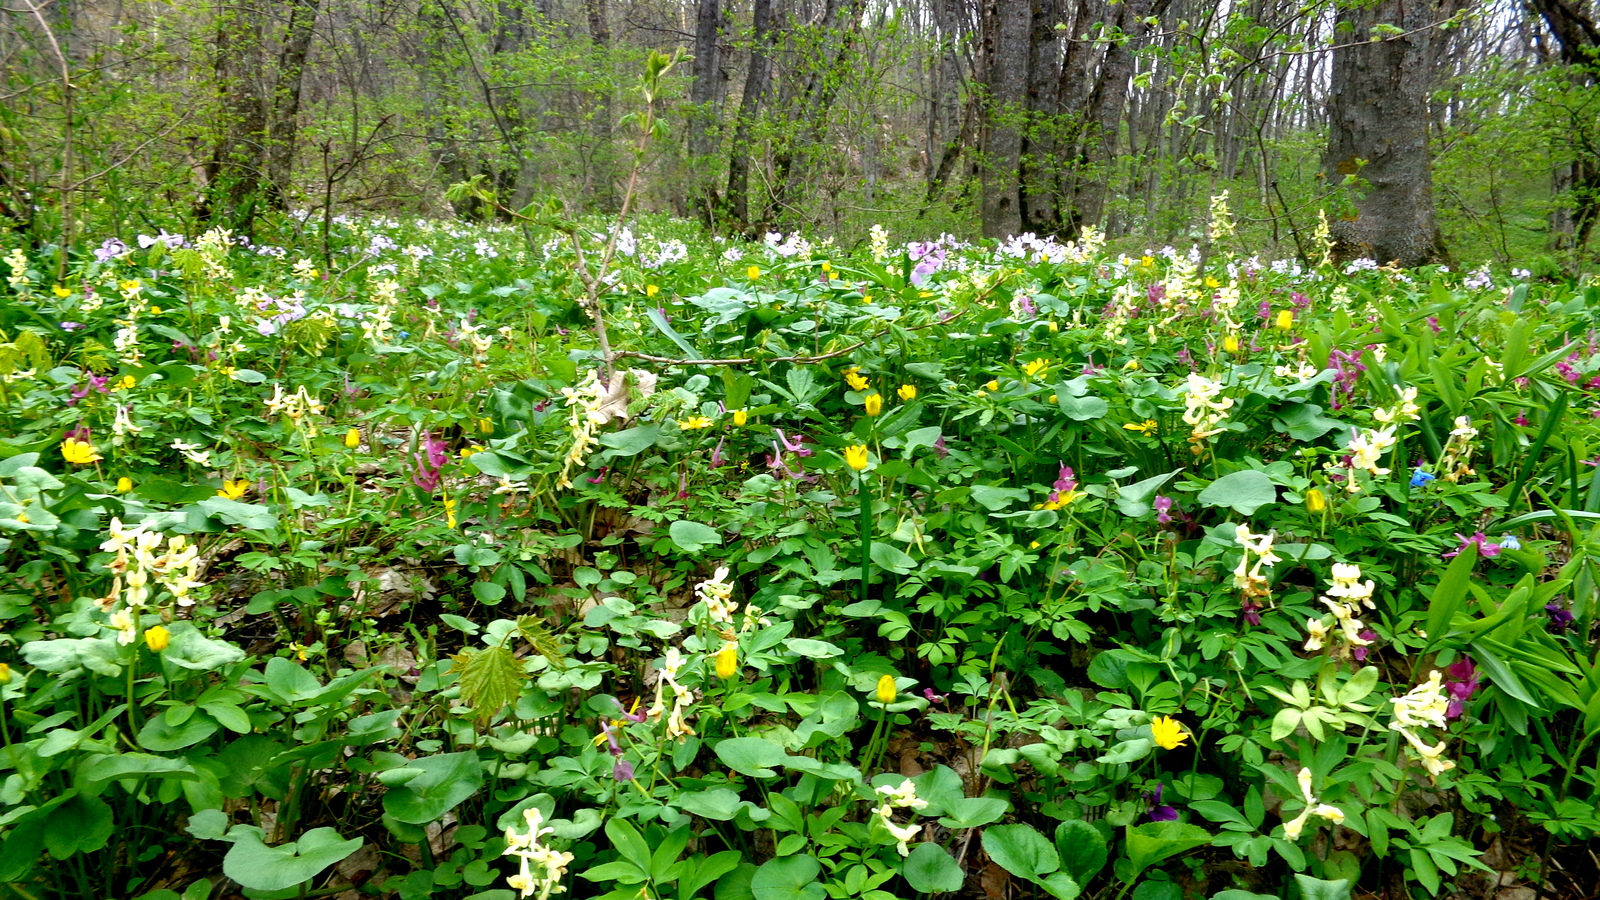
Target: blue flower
x,y
1420,478
1510,542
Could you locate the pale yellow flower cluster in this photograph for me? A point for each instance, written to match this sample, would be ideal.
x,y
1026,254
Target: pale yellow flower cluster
x,y
1367,448
177,569
682,697
583,408
717,595
1424,706
902,797
539,868
1314,807
1344,600
1457,461
1401,413
1205,409
1246,577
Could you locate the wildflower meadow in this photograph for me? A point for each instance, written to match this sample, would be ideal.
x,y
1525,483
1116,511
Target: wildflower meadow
x,y
421,559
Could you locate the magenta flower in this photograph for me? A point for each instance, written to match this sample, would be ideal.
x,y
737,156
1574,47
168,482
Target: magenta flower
x,y
1463,683
1485,549
1163,507
429,471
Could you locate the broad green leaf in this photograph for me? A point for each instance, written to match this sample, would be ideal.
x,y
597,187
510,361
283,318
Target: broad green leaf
x,y
1020,850
632,441
788,878
261,868
1082,849
751,756
692,537
892,558
81,825
243,515
490,678
1244,492
1153,842
1318,889
443,782
930,869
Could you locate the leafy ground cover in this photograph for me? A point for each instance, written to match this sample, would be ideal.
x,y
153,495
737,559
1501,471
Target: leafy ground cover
x,y
387,564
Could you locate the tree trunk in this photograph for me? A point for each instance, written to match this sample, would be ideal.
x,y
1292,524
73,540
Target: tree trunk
x,y
605,181
284,113
1007,30
1378,113
702,112
737,199
1578,40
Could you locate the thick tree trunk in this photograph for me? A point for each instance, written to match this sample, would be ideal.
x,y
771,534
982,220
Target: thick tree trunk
x,y
1378,113
737,198
840,25
604,182
702,113
284,115
1006,50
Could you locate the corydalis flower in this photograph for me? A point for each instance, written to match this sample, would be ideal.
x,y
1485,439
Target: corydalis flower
x,y
1313,807
1463,684
429,464
902,797
1561,618
1486,549
1163,507
1063,491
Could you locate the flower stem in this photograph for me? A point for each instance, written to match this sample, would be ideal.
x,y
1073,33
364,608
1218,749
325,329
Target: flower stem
x,y
866,534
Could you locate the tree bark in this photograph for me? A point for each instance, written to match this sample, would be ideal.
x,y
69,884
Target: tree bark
x,y
1578,41
1378,132
737,198
605,181
1006,51
702,113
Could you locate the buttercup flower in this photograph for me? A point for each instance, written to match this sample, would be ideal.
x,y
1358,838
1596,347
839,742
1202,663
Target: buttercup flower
x,y
907,392
79,453
157,638
1167,733
886,691
234,489
856,457
873,404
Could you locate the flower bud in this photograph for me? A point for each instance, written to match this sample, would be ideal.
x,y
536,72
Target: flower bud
x,y
728,660
887,691
157,638
874,404
1316,501
740,417
124,484
352,438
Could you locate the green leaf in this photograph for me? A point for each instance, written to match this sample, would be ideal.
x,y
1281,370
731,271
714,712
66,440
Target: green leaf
x,y
261,868
443,782
162,490
1082,849
1153,842
812,649
1020,850
1244,492
995,498
189,649
631,442
659,320
243,515
1080,409
692,537
751,756
972,812
1304,422
1318,889
490,678
892,558
788,878
930,869
160,736
1450,594
80,825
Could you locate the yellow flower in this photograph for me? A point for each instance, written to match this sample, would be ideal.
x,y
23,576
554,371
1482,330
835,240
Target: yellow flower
x,y
887,691
993,385
753,273
1212,282
123,383
1033,545
5,673
132,284
651,290
1035,367
740,417
124,484
486,426
694,422
79,453
155,310
157,638
728,660
468,451
1230,344
1167,733
1147,261
1316,501
874,404
299,650
826,267
1130,365
1145,427
852,377
866,298
352,438
907,392
449,513
228,370
1054,327
234,489
856,456
62,292
1285,319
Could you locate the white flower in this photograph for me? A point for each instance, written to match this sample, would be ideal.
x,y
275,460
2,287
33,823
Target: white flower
x,y
1293,827
1318,632
1424,704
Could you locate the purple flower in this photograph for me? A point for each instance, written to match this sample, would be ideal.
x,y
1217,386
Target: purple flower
x,y
716,455
111,249
599,476
71,326
429,464
1463,683
1163,507
1561,618
940,448
1065,483
1251,609
1361,653
932,697
1485,549
797,446
1158,811
622,771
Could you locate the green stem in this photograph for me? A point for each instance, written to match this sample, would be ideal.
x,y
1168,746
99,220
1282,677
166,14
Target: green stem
x,y
866,534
